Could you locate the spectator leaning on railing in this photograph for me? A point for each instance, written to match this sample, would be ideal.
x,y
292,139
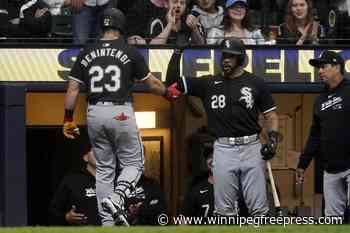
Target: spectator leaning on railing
x,y
299,26
236,24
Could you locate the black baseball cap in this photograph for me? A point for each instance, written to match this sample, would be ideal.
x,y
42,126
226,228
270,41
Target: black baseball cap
x,y
327,57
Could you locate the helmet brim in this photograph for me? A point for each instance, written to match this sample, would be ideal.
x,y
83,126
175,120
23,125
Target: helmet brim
x,y
231,52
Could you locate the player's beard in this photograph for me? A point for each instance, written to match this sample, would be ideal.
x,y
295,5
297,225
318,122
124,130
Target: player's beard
x,y
230,71
227,70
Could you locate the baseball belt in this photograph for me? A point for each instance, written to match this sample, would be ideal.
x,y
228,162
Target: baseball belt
x,y
118,102
238,140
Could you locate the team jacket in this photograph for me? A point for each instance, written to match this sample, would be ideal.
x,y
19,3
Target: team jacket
x,y
330,130
77,189
232,105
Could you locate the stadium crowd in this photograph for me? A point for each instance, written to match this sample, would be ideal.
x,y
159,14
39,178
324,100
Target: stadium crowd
x,y
194,22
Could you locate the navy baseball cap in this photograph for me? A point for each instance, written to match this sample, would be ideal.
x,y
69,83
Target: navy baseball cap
x,y
327,57
230,3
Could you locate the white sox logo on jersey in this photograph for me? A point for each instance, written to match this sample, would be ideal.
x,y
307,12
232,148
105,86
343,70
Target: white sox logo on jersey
x,y
334,101
247,96
90,192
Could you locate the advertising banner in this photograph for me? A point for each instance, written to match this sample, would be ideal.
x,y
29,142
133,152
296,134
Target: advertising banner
x,y
275,65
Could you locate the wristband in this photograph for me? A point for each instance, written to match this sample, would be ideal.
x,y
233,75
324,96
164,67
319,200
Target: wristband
x,y
68,115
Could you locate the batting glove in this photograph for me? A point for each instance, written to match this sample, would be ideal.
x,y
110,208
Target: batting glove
x,y
268,150
172,93
70,129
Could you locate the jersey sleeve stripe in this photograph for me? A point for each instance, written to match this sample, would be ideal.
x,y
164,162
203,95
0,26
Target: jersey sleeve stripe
x,y
270,109
147,76
75,79
185,84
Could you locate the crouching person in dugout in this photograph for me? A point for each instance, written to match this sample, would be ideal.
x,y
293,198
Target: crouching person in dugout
x,y
74,202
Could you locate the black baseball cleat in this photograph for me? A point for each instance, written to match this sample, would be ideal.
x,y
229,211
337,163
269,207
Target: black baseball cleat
x,y
117,213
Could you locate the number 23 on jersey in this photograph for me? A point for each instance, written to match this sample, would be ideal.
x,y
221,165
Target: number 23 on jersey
x,y
97,73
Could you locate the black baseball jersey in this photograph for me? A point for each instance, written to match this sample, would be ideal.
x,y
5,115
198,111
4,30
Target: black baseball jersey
x,y
153,201
330,130
199,200
232,105
108,69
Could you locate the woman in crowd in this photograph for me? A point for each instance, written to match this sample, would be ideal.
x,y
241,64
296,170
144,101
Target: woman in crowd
x,y
236,24
299,26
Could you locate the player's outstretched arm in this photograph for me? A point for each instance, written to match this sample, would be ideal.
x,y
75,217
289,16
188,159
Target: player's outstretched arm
x,y
156,86
173,71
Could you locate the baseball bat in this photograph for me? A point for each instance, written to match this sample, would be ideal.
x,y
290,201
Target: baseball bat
x,y
276,200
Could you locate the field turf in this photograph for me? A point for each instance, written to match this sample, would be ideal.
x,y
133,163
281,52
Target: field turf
x,y
185,229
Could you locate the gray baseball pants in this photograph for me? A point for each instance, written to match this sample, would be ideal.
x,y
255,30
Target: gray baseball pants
x,y
239,168
115,140
336,192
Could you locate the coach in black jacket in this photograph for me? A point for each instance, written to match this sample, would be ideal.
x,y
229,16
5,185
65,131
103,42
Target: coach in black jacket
x,y
330,133
74,202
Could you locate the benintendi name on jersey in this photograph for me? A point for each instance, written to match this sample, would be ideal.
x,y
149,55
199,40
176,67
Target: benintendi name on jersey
x,y
105,52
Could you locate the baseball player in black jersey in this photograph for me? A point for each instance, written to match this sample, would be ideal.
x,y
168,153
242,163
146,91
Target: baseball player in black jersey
x,y
330,133
108,70
233,101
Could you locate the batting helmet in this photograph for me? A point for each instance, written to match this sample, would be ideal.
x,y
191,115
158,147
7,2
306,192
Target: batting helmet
x,y
113,18
235,47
